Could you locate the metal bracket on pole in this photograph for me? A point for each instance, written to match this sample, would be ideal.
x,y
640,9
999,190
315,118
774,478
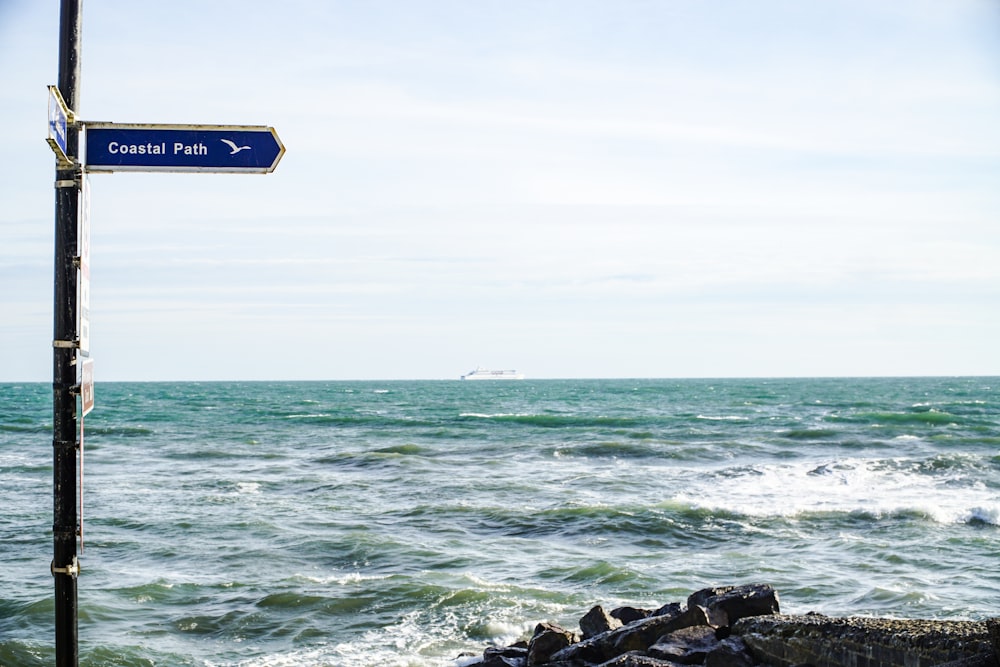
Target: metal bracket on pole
x,y
73,569
70,183
65,444
66,343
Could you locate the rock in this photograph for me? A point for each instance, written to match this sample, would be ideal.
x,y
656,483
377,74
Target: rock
x,y
687,646
548,639
636,636
637,659
993,630
597,621
669,609
982,660
630,614
641,634
701,597
505,656
727,604
731,652
502,661
646,632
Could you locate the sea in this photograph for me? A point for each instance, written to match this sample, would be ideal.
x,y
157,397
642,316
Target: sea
x,y
415,523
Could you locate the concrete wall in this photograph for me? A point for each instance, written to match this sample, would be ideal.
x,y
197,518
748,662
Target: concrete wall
x,y
822,641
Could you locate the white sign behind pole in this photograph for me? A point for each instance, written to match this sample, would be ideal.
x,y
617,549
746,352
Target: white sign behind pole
x,y
83,246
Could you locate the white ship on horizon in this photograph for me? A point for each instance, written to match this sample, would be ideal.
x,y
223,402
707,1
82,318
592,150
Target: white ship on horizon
x,y
486,374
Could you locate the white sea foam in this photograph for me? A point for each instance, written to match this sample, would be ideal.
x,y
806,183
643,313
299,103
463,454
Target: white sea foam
x,y
483,584
496,415
872,486
503,633
314,657
403,644
363,653
984,514
343,579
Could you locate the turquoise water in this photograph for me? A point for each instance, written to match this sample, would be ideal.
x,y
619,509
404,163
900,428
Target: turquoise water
x,y
401,523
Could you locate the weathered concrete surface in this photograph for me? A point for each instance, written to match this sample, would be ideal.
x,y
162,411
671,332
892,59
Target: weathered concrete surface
x,y
822,641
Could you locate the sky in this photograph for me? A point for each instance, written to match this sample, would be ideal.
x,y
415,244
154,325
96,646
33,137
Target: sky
x,y
569,188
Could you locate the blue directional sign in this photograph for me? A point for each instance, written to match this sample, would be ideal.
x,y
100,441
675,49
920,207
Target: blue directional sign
x,y
200,148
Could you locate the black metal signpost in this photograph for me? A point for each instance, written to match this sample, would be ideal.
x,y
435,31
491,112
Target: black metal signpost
x,y
111,147
65,341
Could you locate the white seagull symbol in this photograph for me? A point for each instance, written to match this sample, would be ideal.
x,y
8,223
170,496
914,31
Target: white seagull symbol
x,y
232,144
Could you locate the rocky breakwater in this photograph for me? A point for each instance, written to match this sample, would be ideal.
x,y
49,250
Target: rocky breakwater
x,y
695,633
741,626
